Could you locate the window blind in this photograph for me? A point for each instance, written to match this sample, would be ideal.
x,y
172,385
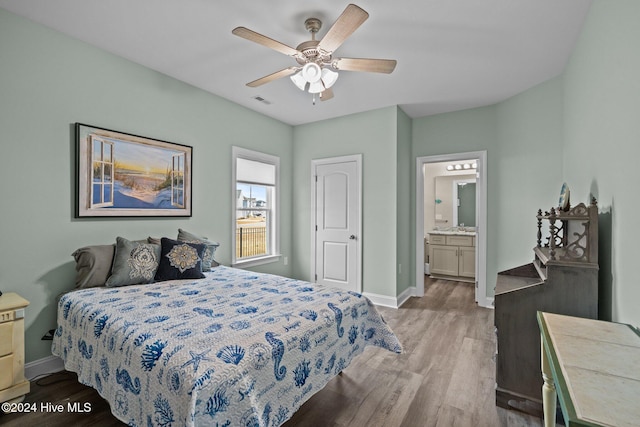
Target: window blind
x,y
251,171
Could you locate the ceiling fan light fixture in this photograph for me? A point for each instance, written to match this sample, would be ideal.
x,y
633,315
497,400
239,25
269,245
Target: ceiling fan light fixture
x,y
329,77
299,80
318,78
311,72
316,87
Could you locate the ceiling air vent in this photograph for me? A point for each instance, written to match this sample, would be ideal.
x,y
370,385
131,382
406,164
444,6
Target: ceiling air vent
x,y
261,99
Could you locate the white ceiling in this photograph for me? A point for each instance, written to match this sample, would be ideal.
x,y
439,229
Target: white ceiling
x,y
452,54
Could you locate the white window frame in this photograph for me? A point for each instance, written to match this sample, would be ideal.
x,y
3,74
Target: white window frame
x,y
177,179
101,179
273,231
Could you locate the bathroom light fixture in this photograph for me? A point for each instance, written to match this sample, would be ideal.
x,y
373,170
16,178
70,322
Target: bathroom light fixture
x,y
462,166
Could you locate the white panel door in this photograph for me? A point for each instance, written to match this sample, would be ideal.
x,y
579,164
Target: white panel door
x,y
337,208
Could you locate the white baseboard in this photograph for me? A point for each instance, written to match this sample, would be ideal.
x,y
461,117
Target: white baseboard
x,y
397,302
405,295
46,365
488,303
387,301
383,300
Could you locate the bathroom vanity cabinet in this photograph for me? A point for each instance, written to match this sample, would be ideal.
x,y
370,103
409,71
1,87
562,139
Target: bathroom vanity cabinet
x,y
452,256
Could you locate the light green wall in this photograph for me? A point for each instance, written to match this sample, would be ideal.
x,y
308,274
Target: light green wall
x,y
405,276
461,132
49,81
602,144
527,172
580,127
373,134
523,140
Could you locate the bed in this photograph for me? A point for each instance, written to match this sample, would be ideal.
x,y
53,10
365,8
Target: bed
x,y
234,348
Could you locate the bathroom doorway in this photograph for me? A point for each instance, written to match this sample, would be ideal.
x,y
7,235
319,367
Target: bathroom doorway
x,y
436,211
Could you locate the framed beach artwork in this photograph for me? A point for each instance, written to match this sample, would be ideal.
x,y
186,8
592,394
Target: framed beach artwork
x,y
124,175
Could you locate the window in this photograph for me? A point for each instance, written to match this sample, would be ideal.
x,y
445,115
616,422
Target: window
x,y
102,172
177,180
255,219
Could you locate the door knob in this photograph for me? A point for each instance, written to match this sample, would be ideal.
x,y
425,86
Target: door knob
x,y
352,237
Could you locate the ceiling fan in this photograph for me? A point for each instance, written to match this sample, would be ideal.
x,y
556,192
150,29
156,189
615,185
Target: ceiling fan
x,y
317,69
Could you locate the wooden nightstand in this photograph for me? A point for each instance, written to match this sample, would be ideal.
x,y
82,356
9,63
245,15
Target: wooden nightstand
x,y
13,384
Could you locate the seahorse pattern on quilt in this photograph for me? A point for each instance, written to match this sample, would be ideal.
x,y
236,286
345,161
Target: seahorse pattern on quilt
x,y
235,348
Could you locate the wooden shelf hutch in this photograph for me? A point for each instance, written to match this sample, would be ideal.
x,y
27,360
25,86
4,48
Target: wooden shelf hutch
x,y
562,279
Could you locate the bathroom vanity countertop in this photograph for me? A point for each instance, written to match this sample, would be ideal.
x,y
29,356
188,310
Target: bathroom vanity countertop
x,y
453,233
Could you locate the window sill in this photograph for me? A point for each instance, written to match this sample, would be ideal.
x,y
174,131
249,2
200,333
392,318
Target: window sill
x,y
252,262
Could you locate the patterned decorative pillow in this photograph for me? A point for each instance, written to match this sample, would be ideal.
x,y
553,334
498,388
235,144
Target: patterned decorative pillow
x,y
134,263
180,260
208,260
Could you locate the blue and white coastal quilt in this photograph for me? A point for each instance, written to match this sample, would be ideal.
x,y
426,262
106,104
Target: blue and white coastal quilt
x,y
235,348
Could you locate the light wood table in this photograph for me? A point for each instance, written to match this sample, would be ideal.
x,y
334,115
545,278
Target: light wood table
x,y
593,367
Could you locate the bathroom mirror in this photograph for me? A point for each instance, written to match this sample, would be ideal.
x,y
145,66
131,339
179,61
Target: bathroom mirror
x,y
448,212
466,209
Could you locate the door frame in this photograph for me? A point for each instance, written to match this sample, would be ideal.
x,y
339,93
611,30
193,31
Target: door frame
x,y
326,161
481,223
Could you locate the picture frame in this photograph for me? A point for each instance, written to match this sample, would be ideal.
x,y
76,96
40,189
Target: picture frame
x,y
119,174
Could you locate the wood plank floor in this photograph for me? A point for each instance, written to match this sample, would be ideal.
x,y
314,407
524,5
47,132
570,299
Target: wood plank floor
x,y
445,377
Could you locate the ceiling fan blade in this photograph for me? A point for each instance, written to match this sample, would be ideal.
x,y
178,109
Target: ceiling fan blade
x,y
274,76
363,64
352,17
251,35
326,95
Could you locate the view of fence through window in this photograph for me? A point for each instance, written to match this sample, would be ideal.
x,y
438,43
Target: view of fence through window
x,y
252,218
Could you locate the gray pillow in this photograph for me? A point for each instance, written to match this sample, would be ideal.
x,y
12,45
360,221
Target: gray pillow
x,y
93,265
154,240
208,260
134,263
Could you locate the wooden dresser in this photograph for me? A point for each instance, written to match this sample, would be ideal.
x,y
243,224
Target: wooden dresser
x,y
13,384
562,279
